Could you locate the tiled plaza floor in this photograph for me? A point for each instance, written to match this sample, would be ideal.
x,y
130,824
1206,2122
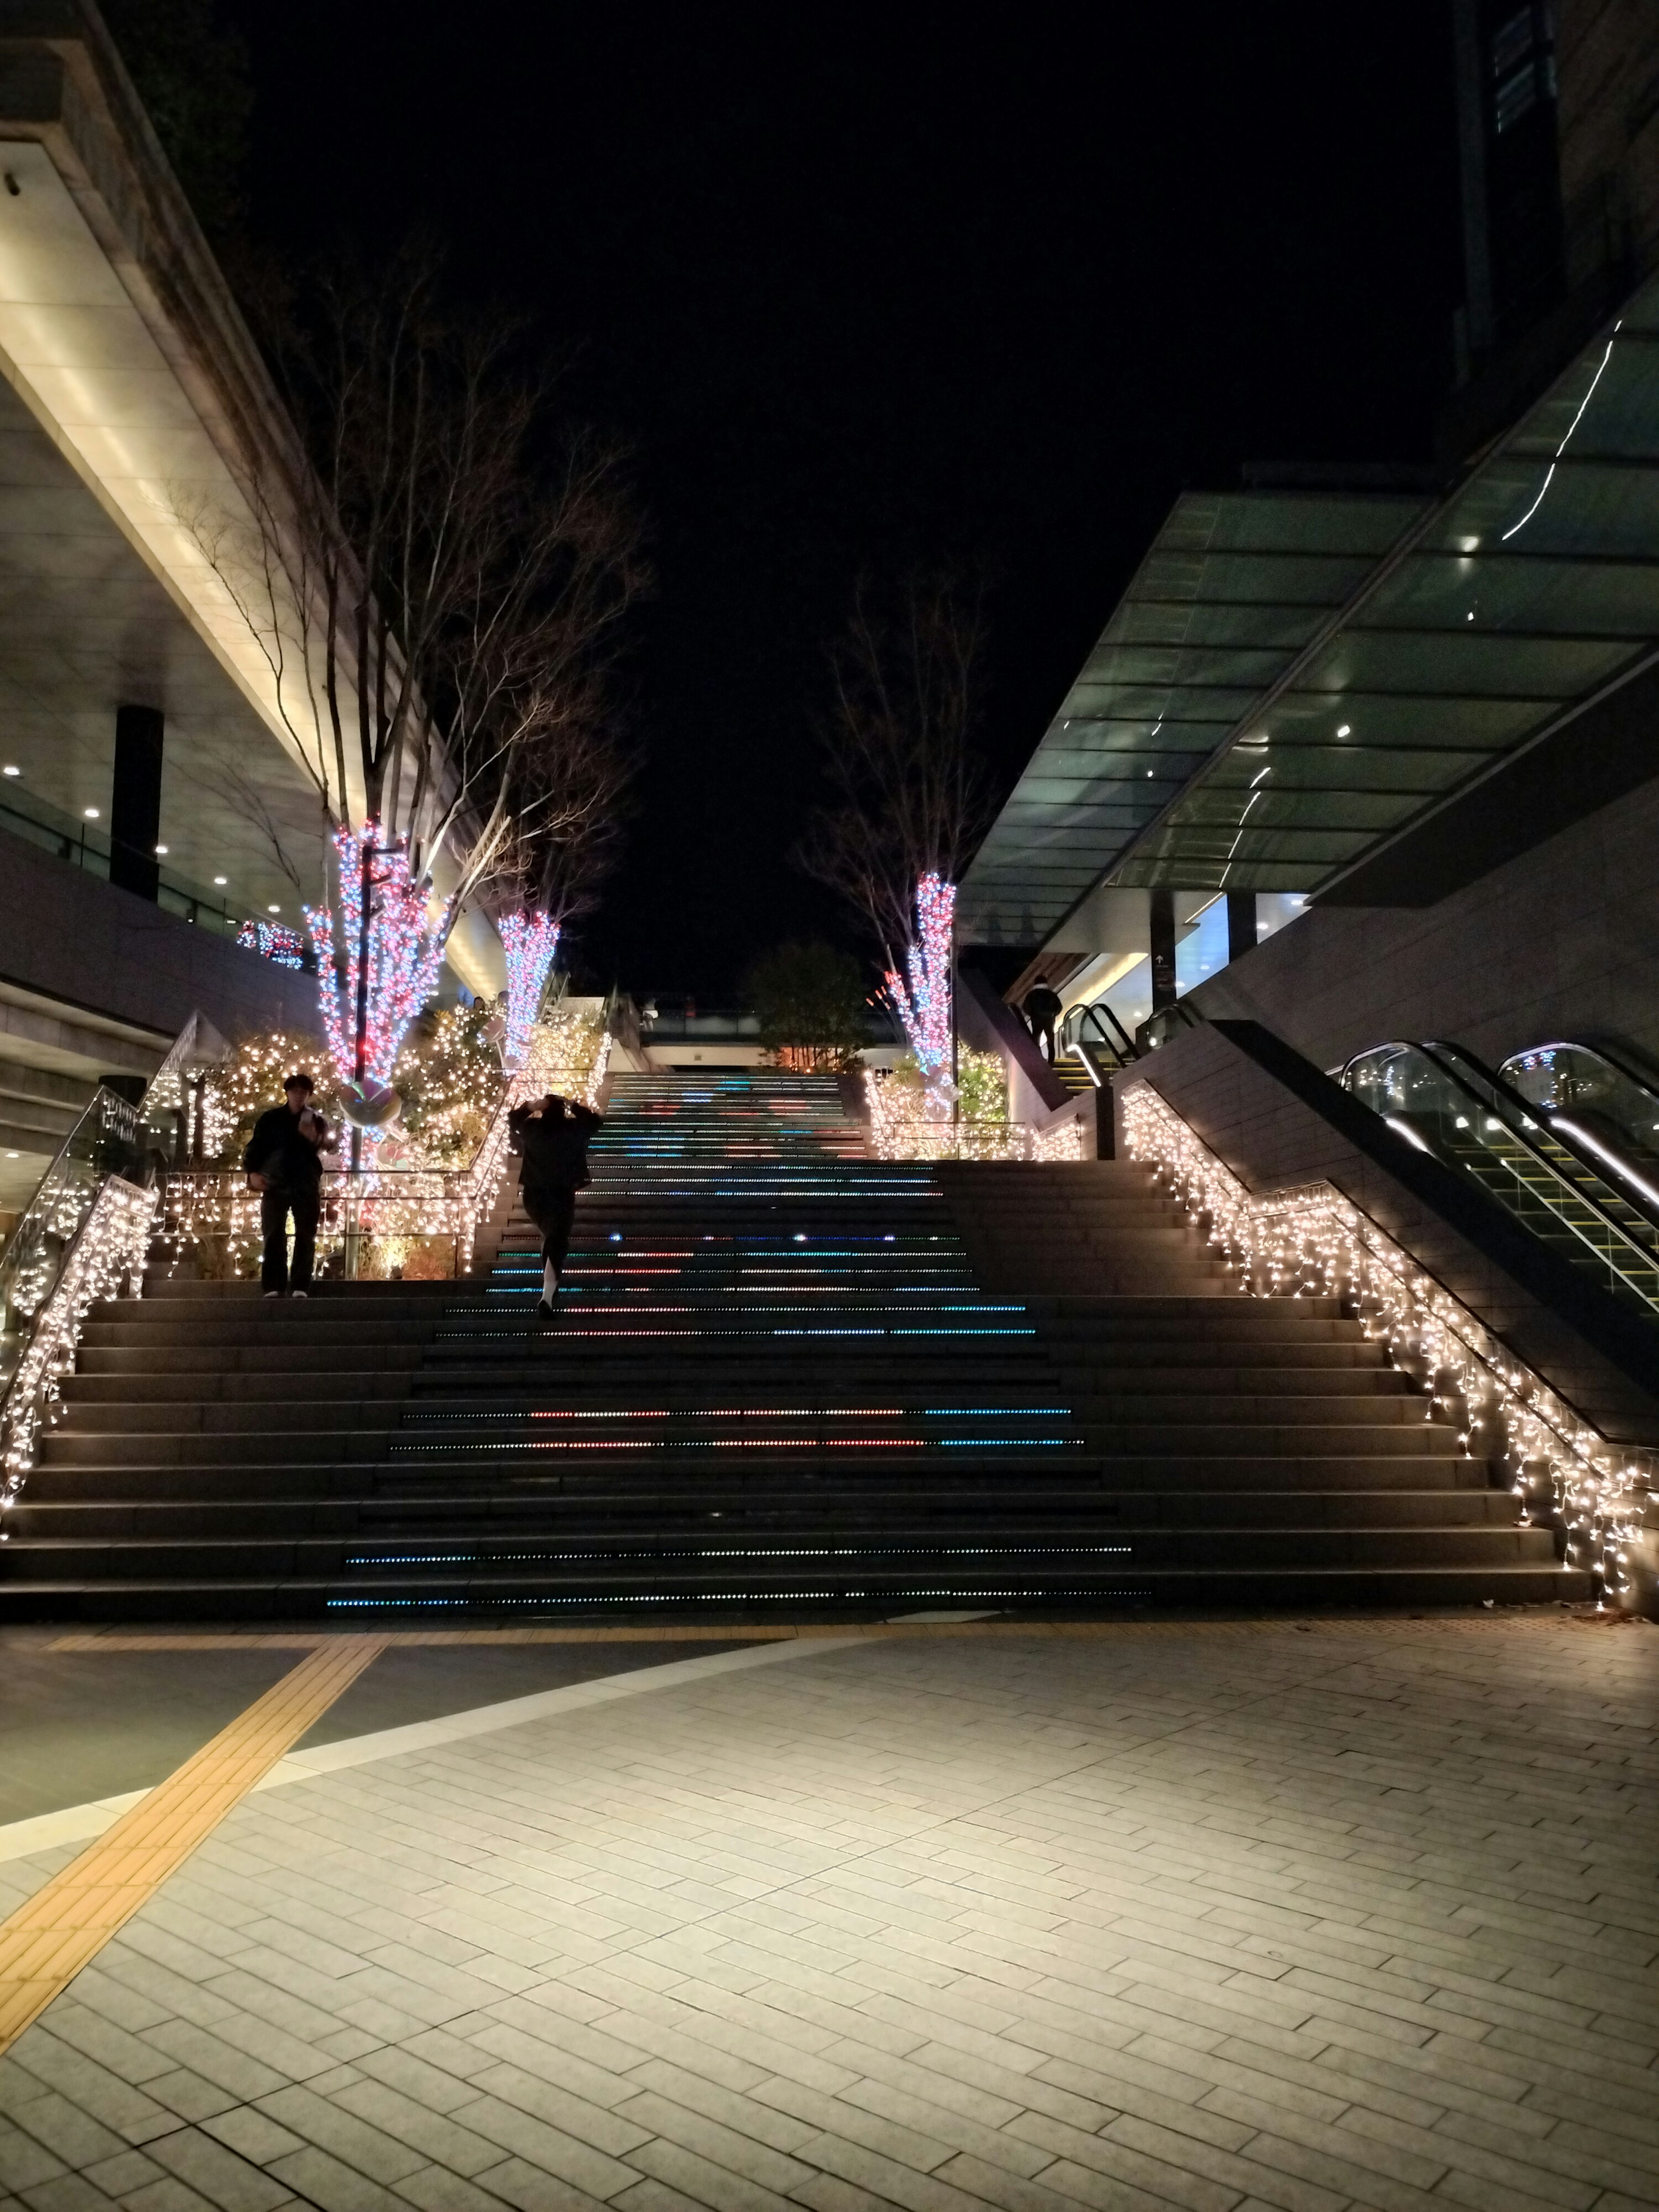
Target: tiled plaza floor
x,y
1204,1916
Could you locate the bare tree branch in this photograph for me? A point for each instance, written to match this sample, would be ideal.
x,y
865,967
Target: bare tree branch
x,y
910,796
436,583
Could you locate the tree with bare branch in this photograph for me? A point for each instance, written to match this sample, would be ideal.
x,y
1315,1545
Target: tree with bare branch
x,y
434,577
910,795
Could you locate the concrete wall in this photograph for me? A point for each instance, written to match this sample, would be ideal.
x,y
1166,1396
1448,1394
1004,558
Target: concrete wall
x,y
70,937
1561,943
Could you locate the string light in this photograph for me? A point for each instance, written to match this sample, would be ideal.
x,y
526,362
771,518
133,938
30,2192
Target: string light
x,y
272,941
418,1205
924,1003
1313,1242
106,1251
405,945
529,942
898,1132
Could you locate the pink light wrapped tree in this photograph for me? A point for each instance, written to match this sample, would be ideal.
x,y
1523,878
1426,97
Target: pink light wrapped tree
x,y
377,972
530,941
922,996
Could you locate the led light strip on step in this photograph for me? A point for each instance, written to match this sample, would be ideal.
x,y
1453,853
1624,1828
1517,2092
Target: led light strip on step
x,y
1314,1241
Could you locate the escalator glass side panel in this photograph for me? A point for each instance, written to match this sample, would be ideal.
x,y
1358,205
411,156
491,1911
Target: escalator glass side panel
x,y
1466,1123
1602,1103
1589,1162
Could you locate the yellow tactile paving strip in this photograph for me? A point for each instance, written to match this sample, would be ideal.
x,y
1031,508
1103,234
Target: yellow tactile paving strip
x,y
46,1941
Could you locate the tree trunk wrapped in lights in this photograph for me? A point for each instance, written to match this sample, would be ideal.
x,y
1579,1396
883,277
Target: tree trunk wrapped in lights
x,y
922,997
380,971
530,941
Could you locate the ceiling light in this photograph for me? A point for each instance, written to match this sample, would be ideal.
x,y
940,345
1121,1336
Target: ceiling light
x,y
162,851
11,770
13,1156
1345,729
92,814
273,909
221,881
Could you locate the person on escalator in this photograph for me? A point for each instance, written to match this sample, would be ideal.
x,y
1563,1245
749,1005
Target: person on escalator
x,y
550,1136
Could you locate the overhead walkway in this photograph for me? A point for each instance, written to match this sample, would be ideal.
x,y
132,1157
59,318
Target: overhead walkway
x,y
783,1378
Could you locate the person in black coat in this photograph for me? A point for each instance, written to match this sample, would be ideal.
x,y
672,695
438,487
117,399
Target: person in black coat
x,y
283,1164
1043,1009
551,1134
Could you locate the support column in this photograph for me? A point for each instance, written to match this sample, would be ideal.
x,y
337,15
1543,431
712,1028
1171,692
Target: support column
x,y
134,813
1241,923
1161,916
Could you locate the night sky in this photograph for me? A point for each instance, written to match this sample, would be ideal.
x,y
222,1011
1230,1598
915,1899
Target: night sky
x,y
864,289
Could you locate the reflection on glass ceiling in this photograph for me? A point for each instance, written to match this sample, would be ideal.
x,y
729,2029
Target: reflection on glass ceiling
x,y
1292,677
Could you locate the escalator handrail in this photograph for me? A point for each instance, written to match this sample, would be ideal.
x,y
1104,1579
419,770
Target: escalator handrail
x,y
1433,1053
1544,1117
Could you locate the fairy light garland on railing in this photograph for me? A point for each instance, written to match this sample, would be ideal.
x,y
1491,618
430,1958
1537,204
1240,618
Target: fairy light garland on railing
x,y
108,1250
897,1135
529,941
396,1205
1312,1241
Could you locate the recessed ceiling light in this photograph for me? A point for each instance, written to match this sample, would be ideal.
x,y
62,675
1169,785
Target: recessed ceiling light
x,y
273,909
11,770
221,881
1345,729
162,849
13,1156
92,814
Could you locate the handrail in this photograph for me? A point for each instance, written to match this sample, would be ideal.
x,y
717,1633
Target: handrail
x,y
99,1220
1457,1066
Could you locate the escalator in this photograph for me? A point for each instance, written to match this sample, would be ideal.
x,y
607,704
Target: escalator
x,y
1092,1045
1597,1098
1568,1167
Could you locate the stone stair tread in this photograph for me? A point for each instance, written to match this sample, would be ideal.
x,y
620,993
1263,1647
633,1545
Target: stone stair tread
x,y
781,1374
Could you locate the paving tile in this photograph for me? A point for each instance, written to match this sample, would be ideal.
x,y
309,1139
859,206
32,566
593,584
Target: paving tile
x,y
217,2172
1210,1916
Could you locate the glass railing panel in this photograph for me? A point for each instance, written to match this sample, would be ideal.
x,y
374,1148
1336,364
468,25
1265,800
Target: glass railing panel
x,y
106,1140
1592,1164
1460,1116
1604,1104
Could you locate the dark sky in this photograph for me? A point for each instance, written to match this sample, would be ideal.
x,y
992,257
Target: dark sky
x,y
868,287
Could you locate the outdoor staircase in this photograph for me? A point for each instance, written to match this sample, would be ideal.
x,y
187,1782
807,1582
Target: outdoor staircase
x,y
783,1378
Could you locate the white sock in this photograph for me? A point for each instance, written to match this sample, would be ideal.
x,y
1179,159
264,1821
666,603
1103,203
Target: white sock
x,y
549,1280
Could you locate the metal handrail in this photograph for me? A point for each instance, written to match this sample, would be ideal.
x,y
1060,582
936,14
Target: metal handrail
x,y
1441,1059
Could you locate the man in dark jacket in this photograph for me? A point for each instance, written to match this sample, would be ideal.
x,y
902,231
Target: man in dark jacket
x,y
551,1135
1043,1009
284,1165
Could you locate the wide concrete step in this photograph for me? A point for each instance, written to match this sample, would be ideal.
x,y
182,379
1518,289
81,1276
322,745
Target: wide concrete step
x,y
189,1365
605,1554
1110,1382
236,1414
564,1505
853,1591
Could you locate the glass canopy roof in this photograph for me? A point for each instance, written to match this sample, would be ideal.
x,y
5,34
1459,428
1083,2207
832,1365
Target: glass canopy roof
x,y
1293,676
